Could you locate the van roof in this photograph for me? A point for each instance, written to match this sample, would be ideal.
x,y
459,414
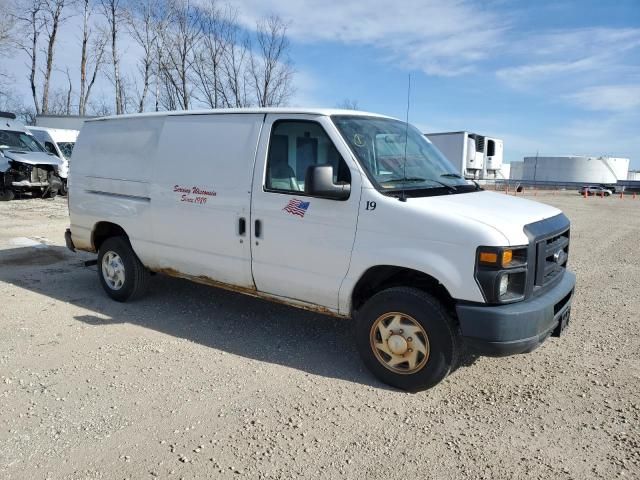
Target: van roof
x,y
58,134
308,111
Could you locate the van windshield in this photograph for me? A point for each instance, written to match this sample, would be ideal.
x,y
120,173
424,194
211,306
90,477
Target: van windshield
x,y
19,141
399,158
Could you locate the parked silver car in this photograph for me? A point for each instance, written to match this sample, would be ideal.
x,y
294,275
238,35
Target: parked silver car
x,y
594,190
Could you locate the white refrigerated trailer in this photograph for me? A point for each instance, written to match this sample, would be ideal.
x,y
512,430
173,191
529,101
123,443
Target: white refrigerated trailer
x,y
463,149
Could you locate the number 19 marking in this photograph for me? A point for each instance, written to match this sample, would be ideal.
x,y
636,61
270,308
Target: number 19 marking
x,y
371,205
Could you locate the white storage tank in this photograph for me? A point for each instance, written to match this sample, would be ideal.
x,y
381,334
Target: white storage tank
x,y
606,170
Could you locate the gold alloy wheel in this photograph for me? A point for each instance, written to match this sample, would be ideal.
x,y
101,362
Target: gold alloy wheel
x,y
399,343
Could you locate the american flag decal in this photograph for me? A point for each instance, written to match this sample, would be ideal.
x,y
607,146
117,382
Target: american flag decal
x,y
297,207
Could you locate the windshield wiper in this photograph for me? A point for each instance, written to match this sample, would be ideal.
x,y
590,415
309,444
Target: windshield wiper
x,y
451,188
445,185
408,179
455,175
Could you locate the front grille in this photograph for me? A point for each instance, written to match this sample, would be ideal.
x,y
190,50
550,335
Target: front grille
x,y
39,175
547,253
551,257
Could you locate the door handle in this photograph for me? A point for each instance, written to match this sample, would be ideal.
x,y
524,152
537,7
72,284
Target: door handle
x,y
242,226
258,229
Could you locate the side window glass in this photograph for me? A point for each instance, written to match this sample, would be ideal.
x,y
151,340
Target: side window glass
x,y
293,148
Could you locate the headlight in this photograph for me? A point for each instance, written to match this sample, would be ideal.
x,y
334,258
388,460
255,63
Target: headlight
x,y
501,273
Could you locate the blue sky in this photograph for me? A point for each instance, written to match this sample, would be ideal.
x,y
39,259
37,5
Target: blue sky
x,y
550,77
559,77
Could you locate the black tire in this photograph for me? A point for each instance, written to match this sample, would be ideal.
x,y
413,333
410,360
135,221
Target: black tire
x,y
63,189
136,276
7,195
444,339
51,193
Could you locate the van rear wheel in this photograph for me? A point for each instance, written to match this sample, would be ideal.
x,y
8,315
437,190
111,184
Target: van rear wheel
x,y
121,273
407,339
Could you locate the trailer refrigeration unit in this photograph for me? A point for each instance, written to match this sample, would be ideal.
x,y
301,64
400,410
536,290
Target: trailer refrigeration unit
x,y
465,150
494,157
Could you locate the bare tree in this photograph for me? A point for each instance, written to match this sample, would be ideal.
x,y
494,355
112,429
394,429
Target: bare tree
x,y
235,66
192,52
146,22
7,24
69,93
95,62
180,42
10,101
92,54
61,99
271,72
100,108
218,33
29,15
113,12
348,104
53,11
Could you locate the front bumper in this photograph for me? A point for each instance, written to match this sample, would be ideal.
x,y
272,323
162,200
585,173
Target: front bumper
x,y
517,327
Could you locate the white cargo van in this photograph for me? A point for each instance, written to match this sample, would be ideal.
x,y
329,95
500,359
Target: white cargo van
x,y
59,142
346,213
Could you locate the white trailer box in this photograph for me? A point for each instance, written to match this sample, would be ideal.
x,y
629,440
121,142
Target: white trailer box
x,y
463,149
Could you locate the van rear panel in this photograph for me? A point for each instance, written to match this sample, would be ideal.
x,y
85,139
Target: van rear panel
x,y
110,180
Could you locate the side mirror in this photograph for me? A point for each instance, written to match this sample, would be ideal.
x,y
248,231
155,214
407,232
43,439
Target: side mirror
x,y
319,183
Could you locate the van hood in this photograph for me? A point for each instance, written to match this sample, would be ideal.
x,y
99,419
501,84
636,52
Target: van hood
x,y
32,158
505,213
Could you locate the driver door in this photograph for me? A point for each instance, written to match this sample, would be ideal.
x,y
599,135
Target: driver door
x,y
301,244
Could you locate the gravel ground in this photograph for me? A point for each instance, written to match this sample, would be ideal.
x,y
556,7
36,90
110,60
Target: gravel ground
x,y
194,382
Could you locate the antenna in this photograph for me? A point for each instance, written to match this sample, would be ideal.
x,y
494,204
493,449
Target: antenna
x,y
403,198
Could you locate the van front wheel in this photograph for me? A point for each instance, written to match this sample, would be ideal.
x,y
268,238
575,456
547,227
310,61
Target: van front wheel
x,y
407,339
120,271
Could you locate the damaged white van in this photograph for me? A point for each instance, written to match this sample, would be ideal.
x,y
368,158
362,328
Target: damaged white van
x,y
25,166
59,142
346,213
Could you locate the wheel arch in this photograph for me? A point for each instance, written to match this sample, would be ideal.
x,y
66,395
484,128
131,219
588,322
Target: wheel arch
x,y
381,277
103,230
